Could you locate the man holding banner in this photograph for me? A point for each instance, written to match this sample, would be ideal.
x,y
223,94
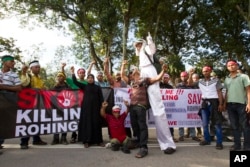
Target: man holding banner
x,y
184,84
32,81
9,82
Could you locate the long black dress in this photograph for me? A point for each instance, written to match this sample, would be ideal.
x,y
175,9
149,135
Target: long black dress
x,y
90,123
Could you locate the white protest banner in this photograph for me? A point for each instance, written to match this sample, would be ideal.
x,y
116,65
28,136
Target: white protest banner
x,y
181,106
122,94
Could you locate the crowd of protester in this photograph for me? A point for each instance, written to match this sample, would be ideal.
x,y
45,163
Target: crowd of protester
x,y
145,85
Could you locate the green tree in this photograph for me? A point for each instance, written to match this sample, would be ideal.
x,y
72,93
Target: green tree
x,y
93,23
9,46
223,31
245,13
211,30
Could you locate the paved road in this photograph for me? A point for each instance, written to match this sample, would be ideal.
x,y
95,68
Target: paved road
x,y
188,154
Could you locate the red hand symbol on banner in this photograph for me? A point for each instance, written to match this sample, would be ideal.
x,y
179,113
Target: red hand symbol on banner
x,y
67,99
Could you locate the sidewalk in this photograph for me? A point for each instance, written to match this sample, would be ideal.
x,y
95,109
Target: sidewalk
x,y
188,154
152,142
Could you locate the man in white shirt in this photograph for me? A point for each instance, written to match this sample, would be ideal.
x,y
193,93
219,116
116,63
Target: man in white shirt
x,y
212,107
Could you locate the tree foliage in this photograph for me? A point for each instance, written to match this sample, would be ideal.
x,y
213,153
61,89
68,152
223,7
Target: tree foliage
x,y
8,46
198,32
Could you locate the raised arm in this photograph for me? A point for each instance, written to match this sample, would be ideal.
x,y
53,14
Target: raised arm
x,y
151,44
106,71
127,105
25,78
159,76
62,67
90,67
123,74
79,84
190,81
103,109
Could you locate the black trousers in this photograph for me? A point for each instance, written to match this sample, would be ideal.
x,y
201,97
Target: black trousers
x,y
138,119
25,140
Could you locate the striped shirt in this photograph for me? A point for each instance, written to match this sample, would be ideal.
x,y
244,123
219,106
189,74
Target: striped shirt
x,y
9,78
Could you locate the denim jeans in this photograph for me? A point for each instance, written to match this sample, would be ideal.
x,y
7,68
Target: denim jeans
x,y
206,120
239,123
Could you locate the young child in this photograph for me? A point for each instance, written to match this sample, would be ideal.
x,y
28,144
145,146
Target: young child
x,y
60,85
116,127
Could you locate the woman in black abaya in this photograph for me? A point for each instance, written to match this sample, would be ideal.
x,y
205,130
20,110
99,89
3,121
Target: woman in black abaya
x,y
90,123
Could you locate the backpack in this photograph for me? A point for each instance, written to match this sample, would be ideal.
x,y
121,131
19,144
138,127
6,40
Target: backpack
x,y
156,62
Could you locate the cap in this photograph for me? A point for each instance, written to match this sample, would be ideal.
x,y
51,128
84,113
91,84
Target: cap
x,y
6,58
165,75
116,108
184,74
138,41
